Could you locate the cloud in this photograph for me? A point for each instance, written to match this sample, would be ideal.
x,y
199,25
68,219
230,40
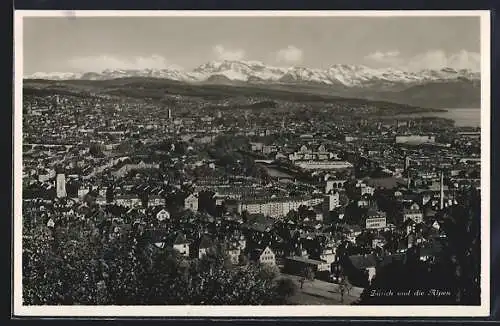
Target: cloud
x,y
379,56
223,53
438,59
102,62
290,54
433,59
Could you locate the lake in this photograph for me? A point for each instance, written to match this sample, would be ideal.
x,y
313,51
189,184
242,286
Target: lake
x,y
462,117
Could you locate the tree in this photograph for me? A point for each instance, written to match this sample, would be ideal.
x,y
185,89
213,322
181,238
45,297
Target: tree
x,y
110,194
365,239
293,216
144,197
344,286
302,211
206,202
96,150
243,259
285,288
85,265
461,225
220,210
269,272
307,274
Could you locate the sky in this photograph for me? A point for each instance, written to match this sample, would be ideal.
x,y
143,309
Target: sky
x,y
82,44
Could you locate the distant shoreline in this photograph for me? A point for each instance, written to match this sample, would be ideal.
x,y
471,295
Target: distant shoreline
x,y
463,117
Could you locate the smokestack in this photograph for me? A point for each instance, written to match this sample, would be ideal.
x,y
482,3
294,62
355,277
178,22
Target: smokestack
x,y
441,195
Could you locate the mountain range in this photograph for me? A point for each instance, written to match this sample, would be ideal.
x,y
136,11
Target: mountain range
x,y
442,88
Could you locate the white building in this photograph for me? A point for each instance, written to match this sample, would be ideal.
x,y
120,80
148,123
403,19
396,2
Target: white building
x,y
128,201
181,245
61,185
376,223
191,202
162,215
413,212
82,191
156,200
332,201
267,257
276,207
332,184
323,165
328,255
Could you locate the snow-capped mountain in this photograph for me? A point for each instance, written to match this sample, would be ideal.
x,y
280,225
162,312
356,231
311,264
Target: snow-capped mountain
x,y
54,75
240,71
351,76
153,73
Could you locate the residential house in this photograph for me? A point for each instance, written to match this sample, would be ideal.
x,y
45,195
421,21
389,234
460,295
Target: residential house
x,y
352,232
181,244
436,226
328,255
375,219
100,200
83,190
367,190
206,245
51,223
378,242
191,202
233,251
409,225
156,200
159,238
364,201
162,215
263,256
412,211
128,200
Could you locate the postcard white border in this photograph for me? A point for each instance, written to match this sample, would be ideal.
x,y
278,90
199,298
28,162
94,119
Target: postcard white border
x,y
255,311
